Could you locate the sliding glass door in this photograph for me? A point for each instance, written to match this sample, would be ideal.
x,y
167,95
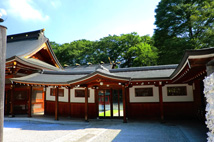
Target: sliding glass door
x,y
110,103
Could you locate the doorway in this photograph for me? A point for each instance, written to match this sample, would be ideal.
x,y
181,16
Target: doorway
x,y
110,103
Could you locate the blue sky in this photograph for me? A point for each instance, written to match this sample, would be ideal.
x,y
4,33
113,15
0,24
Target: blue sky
x,y
68,20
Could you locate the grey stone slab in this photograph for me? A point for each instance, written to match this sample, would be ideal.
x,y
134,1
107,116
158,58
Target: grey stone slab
x,y
104,131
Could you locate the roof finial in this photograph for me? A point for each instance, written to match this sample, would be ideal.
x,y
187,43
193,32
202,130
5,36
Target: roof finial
x,y
89,63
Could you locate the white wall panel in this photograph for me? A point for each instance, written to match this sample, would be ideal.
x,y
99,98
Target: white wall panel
x,y
74,99
52,98
154,98
187,98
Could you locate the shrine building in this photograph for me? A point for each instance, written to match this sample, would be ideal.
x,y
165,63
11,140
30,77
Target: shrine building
x,y
36,83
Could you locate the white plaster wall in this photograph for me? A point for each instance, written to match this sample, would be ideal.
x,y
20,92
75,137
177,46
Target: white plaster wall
x,y
188,98
52,98
65,98
74,99
154,98
48,96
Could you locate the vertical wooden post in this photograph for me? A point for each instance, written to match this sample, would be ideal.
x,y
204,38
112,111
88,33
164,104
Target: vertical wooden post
x,y
86,103
124,105
44,100
118,101
12,101
56,103
97,102
69,100
30,101
3,40
127,101
161,100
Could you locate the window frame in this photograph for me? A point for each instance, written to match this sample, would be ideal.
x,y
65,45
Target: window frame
x,y
76,90
152,94
61,92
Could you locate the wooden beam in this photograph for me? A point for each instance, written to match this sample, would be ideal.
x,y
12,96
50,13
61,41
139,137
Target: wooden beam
x,y
30,102
86,103
161,101
9,76
124,105
56,103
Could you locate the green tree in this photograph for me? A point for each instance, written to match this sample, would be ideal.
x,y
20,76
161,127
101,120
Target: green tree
x,y
181,25
138,51
128,49
75,52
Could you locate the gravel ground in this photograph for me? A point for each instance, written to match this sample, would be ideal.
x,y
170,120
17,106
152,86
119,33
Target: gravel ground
x,y
105,131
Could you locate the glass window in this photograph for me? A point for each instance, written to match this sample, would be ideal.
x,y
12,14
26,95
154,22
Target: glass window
x,y
80,93
142,92
177,91
61,92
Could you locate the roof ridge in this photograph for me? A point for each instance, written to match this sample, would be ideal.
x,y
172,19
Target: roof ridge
x,y
158,67
26,35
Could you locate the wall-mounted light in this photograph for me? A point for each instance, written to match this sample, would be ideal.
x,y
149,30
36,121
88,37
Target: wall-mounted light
x,y
101,83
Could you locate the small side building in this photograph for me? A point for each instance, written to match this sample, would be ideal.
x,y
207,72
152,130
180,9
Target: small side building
x,y
27,53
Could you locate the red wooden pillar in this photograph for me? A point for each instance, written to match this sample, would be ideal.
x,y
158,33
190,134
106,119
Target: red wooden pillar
x,y
56,103
69,100
12,101
30,102
124,105
86,103
97,102
161,100
44,99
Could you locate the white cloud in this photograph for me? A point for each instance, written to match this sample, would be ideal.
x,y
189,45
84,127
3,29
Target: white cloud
x,y
25,10
142,27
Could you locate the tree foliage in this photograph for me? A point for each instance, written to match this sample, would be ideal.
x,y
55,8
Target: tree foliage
x,y
129,49
181,25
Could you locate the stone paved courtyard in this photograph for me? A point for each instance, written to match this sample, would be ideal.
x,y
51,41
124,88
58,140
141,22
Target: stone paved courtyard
x,y
105,131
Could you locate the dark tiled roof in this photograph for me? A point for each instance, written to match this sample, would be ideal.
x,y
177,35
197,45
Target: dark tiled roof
x,y
23,47
192,52
20,45
25,36
47,78
144,68
143,73
147,74
39,64
86,68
